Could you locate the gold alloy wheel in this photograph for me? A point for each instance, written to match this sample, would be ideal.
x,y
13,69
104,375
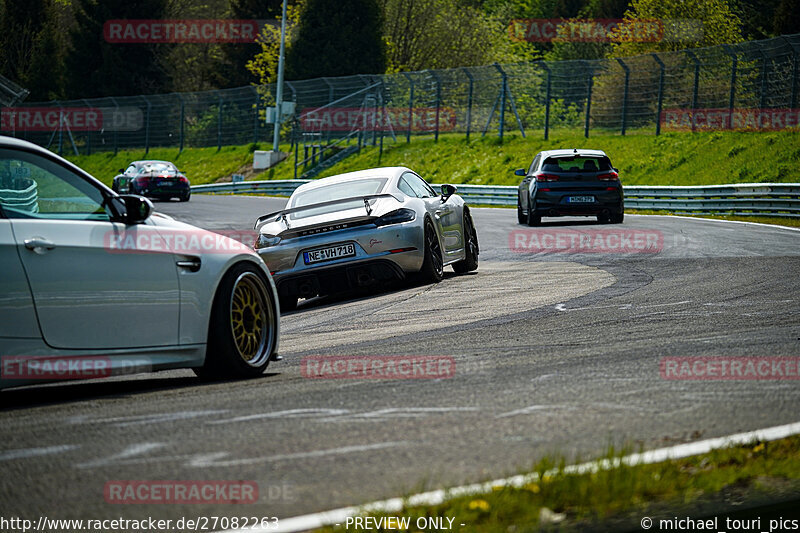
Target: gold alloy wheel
x,y
251,319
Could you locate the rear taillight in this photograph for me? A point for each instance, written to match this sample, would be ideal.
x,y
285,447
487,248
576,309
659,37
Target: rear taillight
x,y
546,177
611,176
184,180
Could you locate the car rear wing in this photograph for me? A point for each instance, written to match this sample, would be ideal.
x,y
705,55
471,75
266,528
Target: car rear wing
x,y
277,215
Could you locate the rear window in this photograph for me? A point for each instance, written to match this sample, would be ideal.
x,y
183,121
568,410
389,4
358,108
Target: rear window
x,y
576,164
336,191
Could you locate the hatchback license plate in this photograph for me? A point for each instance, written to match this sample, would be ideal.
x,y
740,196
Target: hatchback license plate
x,y
329,254
580,199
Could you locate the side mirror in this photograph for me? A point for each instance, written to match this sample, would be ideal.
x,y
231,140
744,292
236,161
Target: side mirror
x,y
448,191
615,170
121,171
520,172
130,208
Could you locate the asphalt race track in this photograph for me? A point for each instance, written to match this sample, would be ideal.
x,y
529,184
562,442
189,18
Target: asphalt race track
x,y
554,353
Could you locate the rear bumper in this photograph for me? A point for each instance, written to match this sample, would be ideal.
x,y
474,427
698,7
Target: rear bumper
x,y
556,203
340,278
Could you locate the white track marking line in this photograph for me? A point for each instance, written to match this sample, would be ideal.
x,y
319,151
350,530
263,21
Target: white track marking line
x,y
35,452
300,455
773,226
337,516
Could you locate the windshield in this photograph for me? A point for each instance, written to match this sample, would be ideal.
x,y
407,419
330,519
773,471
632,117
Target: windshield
x,y
576,164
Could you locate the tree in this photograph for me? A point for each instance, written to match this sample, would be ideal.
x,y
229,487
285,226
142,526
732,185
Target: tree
x,y
264,65
719,25
337,38
237,55
96,67
30,49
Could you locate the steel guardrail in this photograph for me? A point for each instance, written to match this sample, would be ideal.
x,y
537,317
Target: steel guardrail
x,y
771,199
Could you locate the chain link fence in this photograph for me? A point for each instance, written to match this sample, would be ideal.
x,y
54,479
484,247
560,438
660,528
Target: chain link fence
x,y
752,85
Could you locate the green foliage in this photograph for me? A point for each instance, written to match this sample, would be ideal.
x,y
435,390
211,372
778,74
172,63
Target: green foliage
x,y
720,25
264,65
237,55
337,38
31,49
97,68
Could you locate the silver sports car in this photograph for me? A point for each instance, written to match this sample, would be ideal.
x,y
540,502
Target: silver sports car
x,y
96,284
362,228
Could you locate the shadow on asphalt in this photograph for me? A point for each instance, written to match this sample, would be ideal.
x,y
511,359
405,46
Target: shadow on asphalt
x,y
108,388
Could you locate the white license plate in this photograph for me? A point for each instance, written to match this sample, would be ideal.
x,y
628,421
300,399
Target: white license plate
x,y
328,254
580,199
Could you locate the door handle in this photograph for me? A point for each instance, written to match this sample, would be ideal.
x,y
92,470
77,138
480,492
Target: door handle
x,y
192,265
39,245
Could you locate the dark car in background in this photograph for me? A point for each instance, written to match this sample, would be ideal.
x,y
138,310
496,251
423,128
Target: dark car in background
x,y
570,183
154,179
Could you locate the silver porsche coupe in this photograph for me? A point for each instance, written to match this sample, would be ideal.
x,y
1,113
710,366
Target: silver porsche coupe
x,y
364,228
95,284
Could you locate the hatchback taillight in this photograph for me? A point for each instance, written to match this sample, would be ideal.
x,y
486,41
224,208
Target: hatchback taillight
x,y
546,177
611,176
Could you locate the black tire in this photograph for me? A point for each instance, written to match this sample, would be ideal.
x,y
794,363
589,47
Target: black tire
x,y
603,219
520,215
288,303
115,186
533,218
242,332
432,270
185,196
617,218
470,261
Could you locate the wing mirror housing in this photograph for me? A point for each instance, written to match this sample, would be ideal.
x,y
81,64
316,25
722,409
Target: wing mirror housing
x,y
130,208
520,172
448,191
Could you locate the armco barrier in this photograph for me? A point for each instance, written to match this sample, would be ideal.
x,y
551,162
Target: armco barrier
x,y
772,199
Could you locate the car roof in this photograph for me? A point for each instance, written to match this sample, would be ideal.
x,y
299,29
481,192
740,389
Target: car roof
x,y
380,172
580,152
12,142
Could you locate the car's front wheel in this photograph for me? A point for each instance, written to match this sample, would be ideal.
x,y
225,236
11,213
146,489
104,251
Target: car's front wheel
x,y
470,261
432,270
242,332
533,218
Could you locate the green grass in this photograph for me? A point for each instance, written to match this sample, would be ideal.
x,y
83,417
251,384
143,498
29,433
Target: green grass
x,y
201,165
643,159
667,159
756,471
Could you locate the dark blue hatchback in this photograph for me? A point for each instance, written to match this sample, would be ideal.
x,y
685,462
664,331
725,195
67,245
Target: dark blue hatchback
x,y
570,183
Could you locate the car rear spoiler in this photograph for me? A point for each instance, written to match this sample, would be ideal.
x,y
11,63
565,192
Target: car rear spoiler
x,y
272,217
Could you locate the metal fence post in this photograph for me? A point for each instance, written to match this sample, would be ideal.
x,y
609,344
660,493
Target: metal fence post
x,y
469,98
588,102
88,133
660,92
438,101
147,126
219,122
547,101
330,89
625,94
732,91
255,113
410,105
762,102
793,90
504,89
696,84
116,136
183,116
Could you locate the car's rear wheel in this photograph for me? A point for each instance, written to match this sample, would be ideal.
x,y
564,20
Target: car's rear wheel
x,y
520,215
603,219
432,270
185,196
617,218
533,218
243,328
470,261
